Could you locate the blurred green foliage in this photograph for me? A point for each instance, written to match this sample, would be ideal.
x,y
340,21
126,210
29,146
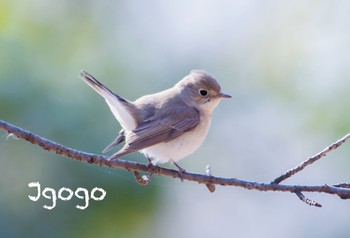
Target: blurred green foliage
x,y
41,55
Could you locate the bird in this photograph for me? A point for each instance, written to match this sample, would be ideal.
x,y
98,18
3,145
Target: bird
x,y
166,126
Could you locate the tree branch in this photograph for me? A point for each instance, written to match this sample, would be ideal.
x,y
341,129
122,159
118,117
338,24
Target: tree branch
x,y
342,189
311,160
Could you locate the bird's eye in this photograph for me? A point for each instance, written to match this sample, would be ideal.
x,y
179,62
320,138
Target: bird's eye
x,y
203,92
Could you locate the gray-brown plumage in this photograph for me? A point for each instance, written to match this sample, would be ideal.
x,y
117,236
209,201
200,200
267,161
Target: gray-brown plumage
x,y
168,125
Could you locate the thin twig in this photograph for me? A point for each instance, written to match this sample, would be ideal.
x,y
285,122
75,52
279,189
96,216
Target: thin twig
x,y
131,166
311,160
142,180
211,187
342,185
307,200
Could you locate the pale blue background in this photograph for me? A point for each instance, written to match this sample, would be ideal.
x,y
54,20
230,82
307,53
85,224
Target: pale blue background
x,y
285,63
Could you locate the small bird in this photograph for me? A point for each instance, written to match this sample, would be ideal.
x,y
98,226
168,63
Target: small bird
x,y
166,126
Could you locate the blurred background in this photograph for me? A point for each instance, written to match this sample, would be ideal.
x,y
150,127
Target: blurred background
x,y
286,65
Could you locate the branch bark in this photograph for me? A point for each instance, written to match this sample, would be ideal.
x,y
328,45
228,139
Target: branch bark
x,y
342,189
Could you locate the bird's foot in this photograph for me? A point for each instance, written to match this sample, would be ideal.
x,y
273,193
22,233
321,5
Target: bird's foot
x,y
150,163
180,170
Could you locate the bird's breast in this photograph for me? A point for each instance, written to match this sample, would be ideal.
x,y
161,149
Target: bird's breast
x,y
182,146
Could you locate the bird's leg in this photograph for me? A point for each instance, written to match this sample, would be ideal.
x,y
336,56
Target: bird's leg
x,y
181,170
149,164
149,161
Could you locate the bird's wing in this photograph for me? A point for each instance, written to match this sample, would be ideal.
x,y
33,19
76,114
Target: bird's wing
x,y
120,138
155,131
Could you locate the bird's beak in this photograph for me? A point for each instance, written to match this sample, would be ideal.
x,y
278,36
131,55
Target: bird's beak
x,y
223,95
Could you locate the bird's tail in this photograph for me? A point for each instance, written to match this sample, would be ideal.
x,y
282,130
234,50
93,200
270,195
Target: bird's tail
x,y
123,110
